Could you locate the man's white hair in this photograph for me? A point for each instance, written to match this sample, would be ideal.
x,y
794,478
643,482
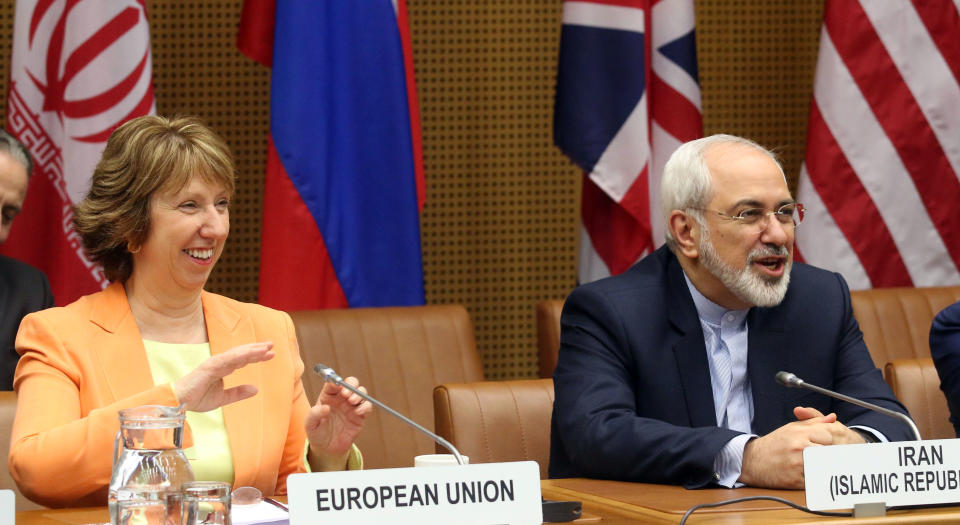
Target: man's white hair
x,y
686,183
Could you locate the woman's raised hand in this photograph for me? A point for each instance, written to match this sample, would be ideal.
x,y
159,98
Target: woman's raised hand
x,y
333,424
202,389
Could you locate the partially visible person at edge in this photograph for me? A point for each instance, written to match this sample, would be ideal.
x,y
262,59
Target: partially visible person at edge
x,y
666,372
945,350
156,218
23,288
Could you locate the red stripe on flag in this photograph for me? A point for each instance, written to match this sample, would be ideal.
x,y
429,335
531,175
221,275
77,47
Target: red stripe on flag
x,y
648,71
901,118
39,10
142,108
636,201
87,52
412,104
617,237
943,23
673,111
255,34
290,239
851,207
100,103
637,4
797,255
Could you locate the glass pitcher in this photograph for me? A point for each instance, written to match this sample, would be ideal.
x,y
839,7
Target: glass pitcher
x,y
147,455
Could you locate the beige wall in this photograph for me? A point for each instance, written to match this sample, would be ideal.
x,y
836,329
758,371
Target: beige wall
x,y
499,229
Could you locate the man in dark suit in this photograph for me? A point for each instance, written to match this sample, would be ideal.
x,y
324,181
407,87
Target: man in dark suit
x,y
945,351
666,372
23,288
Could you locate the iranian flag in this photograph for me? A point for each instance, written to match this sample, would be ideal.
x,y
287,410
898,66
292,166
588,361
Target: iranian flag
x,y
80,68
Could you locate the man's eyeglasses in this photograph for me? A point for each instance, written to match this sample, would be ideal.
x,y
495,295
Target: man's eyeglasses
x,y
789,215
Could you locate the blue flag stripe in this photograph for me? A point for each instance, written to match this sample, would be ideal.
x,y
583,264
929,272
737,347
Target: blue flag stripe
x,y
600,81
341,124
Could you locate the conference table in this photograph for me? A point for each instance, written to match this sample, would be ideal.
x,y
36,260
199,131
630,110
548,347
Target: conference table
x,y
622,503
617,502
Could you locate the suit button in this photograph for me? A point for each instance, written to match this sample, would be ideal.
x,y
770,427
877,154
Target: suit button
x,y
716,476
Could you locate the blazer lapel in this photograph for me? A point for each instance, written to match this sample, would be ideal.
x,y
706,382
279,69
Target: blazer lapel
x,y
689,349
118,345
768,352
227,329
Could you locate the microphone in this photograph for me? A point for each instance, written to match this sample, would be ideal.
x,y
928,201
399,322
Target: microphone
x,y
792,381
330,376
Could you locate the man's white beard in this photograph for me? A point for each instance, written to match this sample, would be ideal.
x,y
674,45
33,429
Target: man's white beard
x,y
749,286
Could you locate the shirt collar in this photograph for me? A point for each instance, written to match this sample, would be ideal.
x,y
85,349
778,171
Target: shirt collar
x,y
710,311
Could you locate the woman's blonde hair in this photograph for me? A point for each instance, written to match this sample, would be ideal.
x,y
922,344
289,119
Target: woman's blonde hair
x,y
144,156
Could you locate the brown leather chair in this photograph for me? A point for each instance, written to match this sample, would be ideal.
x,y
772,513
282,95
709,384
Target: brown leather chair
x,y
896,321
916,384
399,354
548,335
8,409
495,421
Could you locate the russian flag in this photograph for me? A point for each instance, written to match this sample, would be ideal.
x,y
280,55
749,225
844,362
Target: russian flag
x,y
344,183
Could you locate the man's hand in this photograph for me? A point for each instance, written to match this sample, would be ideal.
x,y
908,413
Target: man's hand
x,y
842,435
776,460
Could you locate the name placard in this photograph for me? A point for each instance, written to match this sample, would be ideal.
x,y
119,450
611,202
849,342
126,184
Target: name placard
x,y
485,493
898,474
8,510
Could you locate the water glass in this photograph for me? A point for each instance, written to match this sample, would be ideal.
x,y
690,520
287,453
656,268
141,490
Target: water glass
x,y
174,501
146,511
206,503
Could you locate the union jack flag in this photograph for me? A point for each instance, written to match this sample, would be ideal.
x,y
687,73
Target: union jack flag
x,y
881,178
627,97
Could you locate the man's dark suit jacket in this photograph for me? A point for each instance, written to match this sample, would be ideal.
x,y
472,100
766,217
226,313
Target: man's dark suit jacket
x,y
945,350
633,397
23,290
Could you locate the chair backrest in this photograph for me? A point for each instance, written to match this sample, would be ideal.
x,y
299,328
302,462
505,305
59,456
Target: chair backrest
x,y
548,335
497,421
8,409
896,321
917,386
399,354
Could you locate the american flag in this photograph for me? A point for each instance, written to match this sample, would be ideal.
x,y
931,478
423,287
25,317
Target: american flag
x,y
880,178
627,96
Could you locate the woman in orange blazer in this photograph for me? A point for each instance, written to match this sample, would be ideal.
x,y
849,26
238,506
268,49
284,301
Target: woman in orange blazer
x,y
156,218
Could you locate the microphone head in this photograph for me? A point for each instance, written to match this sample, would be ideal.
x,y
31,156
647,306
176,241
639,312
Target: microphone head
x,y
326,373
788,380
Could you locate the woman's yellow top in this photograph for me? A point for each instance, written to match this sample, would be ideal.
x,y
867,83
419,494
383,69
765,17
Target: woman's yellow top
x,y
210,456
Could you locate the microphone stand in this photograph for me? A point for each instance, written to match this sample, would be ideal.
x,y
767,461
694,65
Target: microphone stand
x,y
792,381
330,376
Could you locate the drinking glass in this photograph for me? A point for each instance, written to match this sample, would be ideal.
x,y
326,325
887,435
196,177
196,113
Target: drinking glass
x,y
155,508
206,503
174,501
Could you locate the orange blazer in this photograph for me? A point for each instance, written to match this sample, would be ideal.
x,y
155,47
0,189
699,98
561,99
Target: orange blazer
x,y
82,363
